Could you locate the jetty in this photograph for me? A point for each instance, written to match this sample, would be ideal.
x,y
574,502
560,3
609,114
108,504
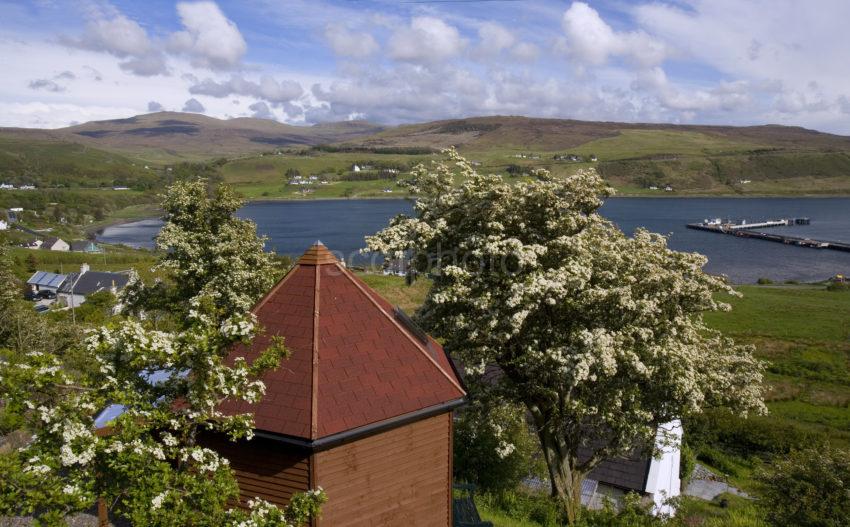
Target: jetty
x,y
743,229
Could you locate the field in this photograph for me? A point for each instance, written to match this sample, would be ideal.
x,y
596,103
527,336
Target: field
x,y
113,259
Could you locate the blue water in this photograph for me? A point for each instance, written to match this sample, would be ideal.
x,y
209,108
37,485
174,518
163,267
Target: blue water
x,y
293,226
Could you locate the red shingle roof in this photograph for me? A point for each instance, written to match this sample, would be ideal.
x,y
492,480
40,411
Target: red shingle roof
x,y
353,362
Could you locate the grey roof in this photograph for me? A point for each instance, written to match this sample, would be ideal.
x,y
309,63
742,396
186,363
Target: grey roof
x,y
45,279
84,245
93,281
628,473
49,242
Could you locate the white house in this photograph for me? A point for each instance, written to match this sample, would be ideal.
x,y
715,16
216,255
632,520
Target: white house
x,y
55,244
6,186
44,281
78,286
656,478
3,225
355,168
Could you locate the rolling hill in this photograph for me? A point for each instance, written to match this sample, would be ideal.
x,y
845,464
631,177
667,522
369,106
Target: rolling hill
x,y
174,136
634,157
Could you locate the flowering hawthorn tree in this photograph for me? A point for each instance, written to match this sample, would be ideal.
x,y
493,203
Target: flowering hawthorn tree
x,y
206,251
599,335
147,463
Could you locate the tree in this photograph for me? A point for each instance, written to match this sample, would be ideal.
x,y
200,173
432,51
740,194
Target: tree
x,y
32,263
206,251
291,172
808,488
165,387
598,335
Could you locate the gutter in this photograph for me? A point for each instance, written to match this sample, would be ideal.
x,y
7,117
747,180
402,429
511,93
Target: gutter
x,y
324,443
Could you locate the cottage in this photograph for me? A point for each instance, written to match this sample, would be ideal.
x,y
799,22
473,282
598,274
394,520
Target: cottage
x,y
85,246
44,281
355,168
3,225
362,408
55,244
654,478
6,186
78,286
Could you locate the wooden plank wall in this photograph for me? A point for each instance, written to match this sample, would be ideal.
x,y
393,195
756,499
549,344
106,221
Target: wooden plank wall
x,y
399,477
266,469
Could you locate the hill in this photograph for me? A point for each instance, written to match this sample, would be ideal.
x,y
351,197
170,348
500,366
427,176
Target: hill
x,y
482,133
172,136
634,157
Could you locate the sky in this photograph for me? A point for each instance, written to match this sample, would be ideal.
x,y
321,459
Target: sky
x,y
310,61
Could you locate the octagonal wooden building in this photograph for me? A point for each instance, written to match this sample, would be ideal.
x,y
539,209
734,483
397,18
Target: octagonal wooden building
x,y
362,408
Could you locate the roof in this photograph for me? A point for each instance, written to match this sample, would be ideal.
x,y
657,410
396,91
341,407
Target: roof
x,y
93,281
354,362
45,279
628,472
49,242
84,245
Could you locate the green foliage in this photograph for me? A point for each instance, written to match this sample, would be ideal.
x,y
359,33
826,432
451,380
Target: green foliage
x,y
632,513
687,463
519,505
493,446
764,281
808,488
837,287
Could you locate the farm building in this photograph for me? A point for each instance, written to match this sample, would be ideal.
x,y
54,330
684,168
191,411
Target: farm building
x,y
362,408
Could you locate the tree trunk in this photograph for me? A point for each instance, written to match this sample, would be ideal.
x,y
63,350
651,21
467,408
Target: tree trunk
x,y
566,480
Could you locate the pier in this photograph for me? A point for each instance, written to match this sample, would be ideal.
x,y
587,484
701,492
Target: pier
x,y
744,230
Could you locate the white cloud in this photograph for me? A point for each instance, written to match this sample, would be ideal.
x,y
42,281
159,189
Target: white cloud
x,y
493,38
591,40
426,40
347,43
194,106
525,52
110,31
209,37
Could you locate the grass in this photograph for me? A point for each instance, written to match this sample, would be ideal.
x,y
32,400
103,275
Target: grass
x,y
500,519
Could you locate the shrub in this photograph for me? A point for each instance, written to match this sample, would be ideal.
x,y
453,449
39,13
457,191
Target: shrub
x,y
809,488
838,286
525,506
764,281
687,462
494,448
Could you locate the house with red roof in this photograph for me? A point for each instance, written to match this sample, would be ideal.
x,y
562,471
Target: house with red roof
x,y
362,407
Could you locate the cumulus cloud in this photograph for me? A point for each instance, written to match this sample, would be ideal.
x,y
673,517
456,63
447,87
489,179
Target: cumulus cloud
x,y
261,110
194,106
590,40
69,75
154,106
349,43
276,92
493,38
426,39
525,52
209,38
110,31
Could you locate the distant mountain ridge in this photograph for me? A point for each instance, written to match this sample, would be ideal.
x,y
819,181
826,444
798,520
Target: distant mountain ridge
x,y
176,135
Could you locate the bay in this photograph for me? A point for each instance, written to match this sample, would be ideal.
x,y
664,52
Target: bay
x,y
341,225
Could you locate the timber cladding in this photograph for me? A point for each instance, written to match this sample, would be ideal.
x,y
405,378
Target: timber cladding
x,y
264,469
398,477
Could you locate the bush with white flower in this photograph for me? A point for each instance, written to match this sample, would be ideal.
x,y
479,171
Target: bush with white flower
x,y
599,335
165,388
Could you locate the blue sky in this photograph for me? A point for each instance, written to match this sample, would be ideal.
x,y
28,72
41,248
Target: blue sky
x,y
302,62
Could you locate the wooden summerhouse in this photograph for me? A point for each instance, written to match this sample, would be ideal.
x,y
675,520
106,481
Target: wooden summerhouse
x,y
362,408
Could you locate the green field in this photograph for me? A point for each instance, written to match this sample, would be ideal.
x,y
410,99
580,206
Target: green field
x,y
112,259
